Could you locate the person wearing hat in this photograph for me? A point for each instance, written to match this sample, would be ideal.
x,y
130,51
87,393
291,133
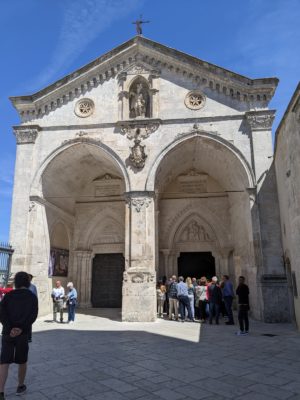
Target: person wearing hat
x,y
71,301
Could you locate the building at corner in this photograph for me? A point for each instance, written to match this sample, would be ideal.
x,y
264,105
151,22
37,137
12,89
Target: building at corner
x,y
287,164
148,162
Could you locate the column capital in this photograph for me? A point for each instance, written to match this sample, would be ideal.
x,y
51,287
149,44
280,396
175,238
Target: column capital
x,y
83,253
260,120
139,200
26,133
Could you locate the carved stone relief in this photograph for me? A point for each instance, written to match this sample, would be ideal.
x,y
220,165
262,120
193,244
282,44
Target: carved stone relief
x,y
260,121
194,233
138,156
138,203
24,136
140,129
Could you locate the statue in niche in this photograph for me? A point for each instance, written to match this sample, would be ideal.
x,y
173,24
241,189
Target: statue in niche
x,y
139,101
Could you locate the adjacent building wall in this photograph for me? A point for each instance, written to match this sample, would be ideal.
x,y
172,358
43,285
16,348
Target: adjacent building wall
x,y
287,164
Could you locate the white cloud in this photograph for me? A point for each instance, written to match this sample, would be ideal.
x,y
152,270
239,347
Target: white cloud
x,y
82,23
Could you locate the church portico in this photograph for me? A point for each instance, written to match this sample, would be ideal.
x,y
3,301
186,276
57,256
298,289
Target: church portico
x,y
142,165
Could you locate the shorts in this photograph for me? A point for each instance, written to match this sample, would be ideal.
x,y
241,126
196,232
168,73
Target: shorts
x,y
14,350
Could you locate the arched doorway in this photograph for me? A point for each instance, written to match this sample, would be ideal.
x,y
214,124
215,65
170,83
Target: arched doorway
x,y
203,206
82,186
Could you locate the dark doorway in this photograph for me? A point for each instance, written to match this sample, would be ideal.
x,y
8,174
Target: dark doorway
x,y
107,280
196,265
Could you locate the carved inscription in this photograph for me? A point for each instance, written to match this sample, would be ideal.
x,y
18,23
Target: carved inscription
x,y
192,182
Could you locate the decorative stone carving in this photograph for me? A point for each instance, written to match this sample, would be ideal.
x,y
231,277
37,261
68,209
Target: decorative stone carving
x,y
194,232
138,277
81,133
31,206
138,155
138,203
139,100
260,120
139,129
84,108
26,135
194,100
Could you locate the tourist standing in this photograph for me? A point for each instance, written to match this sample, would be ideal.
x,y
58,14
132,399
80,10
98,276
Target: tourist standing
x,y
18,311
191,295
161,298
184,302
201,299
242,292
33,289
71,302
228,295
173,299
58,295
214,299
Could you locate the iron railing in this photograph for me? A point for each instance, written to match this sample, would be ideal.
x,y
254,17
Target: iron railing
x,y
6,252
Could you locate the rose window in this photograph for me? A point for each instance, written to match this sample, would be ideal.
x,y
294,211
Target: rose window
x,y
194,100
84,108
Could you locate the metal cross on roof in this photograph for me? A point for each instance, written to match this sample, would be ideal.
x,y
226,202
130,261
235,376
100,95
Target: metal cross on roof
x,y
138,24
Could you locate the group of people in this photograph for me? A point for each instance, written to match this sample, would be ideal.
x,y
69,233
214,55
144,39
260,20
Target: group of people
x,y
59,299
202,299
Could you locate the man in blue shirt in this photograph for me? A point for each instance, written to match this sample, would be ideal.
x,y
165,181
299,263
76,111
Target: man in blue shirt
x,y
228,295
184,301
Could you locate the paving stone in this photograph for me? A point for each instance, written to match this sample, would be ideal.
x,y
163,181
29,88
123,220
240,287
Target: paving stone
x,y
169,394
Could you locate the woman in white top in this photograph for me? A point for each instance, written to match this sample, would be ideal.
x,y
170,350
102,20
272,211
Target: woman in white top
x,y
201,298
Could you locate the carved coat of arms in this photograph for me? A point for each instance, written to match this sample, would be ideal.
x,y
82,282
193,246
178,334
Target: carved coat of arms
x,y
138,156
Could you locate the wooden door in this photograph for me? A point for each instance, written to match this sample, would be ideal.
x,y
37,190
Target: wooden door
x,y
107,278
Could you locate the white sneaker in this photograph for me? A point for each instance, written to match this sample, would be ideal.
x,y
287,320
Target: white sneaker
x,y
239,333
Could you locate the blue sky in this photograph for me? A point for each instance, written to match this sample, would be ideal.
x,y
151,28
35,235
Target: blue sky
x,y
44,40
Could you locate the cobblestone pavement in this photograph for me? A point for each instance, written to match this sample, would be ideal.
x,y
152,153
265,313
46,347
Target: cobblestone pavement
x,y
98,357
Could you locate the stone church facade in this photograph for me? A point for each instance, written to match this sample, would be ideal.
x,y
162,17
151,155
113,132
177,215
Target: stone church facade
x,y
148,162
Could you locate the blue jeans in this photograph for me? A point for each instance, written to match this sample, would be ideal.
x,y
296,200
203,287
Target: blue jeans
x,y
228,306
184,302
214,308
71,312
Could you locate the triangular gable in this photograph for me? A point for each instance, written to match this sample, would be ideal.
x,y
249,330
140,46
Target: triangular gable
x,y
137,56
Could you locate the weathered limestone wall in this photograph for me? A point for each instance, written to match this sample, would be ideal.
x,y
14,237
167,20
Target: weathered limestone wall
x,y
287,174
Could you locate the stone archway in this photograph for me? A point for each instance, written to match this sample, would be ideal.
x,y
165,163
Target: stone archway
x,y
204,176
75,184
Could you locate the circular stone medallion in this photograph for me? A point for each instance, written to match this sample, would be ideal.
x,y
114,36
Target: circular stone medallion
x,y
84,108
194,100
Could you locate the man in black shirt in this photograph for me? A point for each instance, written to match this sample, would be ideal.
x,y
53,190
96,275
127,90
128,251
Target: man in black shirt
x,y
18,311
242,292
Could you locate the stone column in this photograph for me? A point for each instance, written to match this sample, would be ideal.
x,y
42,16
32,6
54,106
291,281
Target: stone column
x,y
83,277
139,296
19,229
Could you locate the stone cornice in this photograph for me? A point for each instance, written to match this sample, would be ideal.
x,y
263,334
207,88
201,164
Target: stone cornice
x,y
156,57
26,134
260,120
